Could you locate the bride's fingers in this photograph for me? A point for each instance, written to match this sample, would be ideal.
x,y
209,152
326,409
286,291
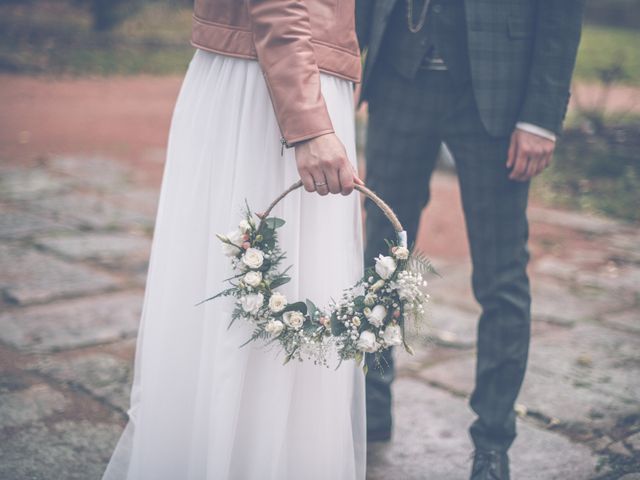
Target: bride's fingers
x,y
319,181
333,181
307,181
356,176
347,178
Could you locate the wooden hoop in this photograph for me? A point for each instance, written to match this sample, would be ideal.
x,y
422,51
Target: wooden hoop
x,y
386,209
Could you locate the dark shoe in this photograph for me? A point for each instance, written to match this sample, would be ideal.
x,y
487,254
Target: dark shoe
x,y
490,465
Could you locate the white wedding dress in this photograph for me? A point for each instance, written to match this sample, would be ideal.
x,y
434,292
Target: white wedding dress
x,y
201,407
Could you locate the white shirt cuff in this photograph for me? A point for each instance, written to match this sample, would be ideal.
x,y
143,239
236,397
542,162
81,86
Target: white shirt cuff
x,y
536,130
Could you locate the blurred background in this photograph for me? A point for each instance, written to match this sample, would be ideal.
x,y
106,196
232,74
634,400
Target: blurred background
x,y
87,89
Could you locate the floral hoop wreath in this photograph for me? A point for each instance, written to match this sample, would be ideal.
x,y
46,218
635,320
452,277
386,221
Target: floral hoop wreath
x,y
368,318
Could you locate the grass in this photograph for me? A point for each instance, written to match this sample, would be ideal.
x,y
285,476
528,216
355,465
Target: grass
x,y
55,37
605,48
596,171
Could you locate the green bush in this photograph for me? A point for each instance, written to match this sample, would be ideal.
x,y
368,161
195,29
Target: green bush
x,y
109,13
596,168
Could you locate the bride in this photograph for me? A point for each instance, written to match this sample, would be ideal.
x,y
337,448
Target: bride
x,y
254,114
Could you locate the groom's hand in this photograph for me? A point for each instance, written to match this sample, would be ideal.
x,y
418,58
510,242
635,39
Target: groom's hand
x,y
529,154
324,167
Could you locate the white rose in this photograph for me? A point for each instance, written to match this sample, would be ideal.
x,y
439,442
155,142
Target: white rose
x,y
253,279
235,237
367,342
244,226
385,266
392,335
253,258
376,315
293,319
274,327
377,286
401,253
277,302
370,299
251,303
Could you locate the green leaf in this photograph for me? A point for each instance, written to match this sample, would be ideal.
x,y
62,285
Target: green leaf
x,y
298,306
311,308
337,327
223,293
279,281
274,222
359,356
418,262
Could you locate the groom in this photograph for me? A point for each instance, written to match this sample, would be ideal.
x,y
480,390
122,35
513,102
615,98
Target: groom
x,y
490,78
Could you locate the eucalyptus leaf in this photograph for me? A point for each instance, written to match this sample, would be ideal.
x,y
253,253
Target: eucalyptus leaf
x,y
337,327
297,306
274,222
279,281
311,308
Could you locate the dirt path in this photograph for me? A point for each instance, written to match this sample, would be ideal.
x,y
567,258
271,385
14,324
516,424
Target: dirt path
x,y
122,117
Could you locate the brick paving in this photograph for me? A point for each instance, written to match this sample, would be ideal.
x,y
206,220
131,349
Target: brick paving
x,y
73,253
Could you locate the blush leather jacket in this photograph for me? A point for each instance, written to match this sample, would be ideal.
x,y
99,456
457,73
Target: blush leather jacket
x,y
293,40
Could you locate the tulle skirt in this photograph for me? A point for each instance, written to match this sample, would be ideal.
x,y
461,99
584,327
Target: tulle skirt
x,y
201,407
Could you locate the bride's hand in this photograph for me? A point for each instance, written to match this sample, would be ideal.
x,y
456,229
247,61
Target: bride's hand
x,y
324,167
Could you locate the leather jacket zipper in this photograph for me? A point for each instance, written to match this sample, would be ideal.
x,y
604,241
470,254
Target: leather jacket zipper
x,y
283,141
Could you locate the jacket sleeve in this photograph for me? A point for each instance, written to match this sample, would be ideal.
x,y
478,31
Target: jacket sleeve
x,y
557,35
282,36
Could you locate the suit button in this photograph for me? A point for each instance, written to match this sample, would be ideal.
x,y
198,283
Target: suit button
x,y
437,8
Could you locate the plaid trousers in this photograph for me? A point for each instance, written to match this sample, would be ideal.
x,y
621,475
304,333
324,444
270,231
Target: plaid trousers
x,y
407,121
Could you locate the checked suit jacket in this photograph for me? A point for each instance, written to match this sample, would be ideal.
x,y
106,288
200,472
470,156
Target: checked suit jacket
x,y
521,54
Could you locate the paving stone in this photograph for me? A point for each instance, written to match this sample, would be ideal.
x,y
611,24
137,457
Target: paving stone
x,y
612,278
556,267
634,441
586,375
31,183
140,200
454,288
105,376
581,222
29,277
625,246
12,381
630,476
65,450
16,224
30,405
91,211
430,441
557,302
618,448
627,320
451,326
592,357
72,323
95,172
127,251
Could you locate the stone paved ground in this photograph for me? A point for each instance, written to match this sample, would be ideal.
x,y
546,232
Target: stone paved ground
x,y
74,241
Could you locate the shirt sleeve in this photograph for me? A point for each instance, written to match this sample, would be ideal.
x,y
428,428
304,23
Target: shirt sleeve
x,y
536,130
